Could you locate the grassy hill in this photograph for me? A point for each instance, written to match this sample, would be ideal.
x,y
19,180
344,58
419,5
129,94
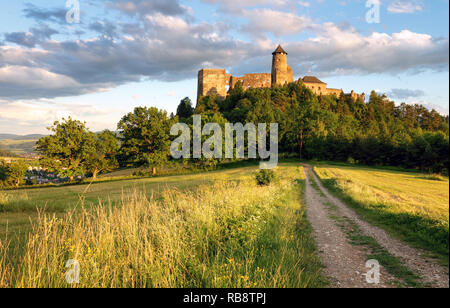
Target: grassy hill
x,y
19,144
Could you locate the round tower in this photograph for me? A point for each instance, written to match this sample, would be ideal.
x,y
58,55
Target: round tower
x,y
280,74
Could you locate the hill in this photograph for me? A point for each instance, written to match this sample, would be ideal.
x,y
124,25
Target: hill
x,y
19,144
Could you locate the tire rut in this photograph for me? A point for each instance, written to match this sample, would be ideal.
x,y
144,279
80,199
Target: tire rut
x,y
345,264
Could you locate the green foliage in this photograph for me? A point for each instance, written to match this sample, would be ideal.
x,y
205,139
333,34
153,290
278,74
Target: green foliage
x,y
145,136
12,175
340,128
6,153
73,150
102,157
66,151
265,177
185,109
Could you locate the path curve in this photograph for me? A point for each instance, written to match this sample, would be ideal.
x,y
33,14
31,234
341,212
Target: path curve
x,y
415,259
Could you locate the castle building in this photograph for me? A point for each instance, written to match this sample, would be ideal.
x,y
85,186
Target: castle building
x,y
218,82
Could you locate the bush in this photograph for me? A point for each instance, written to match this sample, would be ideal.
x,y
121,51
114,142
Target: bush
x,y
265,177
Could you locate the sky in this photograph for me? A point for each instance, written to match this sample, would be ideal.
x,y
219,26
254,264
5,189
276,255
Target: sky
x,y
121,54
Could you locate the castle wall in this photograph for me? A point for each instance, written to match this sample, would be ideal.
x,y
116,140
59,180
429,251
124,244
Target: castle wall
x,y
216,81
353,95
290,74
252,81
317,88
212,81
336,92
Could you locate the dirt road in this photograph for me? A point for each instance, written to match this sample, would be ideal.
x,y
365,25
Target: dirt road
x,y
345,261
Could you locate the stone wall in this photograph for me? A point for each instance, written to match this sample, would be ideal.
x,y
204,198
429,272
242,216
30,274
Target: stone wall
x,y
252,81
317,88
336,92
212,81
218,82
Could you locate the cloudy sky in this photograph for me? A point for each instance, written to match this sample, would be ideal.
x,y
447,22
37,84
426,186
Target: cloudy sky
x,y
127,53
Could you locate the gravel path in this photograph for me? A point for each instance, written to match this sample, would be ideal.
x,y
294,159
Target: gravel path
x,y
415,259
345,264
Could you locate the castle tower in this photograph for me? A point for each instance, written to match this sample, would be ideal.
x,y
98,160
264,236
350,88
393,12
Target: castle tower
x,y
281,71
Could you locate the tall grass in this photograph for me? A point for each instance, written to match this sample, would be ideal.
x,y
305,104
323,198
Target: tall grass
x,y
229,234
410,206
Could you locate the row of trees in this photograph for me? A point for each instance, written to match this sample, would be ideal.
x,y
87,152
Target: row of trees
x,y
313,127
72,150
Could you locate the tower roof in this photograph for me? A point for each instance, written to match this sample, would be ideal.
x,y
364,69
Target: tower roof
x,y
279,50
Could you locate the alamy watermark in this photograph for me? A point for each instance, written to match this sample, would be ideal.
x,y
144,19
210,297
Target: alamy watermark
x,y
373,15
73,14
373,274
73,274
234,147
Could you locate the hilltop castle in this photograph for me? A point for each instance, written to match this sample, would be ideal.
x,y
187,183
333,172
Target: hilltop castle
x,y
218,82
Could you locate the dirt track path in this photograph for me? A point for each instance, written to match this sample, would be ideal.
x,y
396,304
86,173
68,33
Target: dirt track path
x,y
345,263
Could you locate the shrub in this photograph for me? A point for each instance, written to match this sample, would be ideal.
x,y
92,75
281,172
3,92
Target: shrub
x,y
265,177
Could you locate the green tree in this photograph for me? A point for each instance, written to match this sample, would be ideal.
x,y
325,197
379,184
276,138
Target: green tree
x,y
102,158
16,173
185,109
67,150
145,136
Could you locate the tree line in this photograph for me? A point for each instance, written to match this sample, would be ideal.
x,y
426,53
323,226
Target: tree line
x,y
340,128
311,127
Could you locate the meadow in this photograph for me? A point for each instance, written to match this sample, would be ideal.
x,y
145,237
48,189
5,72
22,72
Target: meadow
x,y
218,229
412,206
18,146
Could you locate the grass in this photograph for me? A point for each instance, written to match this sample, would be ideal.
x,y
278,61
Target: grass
x,y
18,146
374,251
227,233
409,205
64,197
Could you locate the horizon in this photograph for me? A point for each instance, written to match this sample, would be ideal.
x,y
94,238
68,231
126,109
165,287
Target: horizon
x,y
125,54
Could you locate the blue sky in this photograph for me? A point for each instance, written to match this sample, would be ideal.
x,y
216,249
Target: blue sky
x,y
128,53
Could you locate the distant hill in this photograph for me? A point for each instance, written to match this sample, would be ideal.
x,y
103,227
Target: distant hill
x,y
19,137
18,144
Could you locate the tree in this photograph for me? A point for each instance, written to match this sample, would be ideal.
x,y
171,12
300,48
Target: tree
x,y
185,109
16,172
3,173
66,151
145,136
12,174
102,157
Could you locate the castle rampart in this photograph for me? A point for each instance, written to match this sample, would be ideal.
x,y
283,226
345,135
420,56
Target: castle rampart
x,y
219,83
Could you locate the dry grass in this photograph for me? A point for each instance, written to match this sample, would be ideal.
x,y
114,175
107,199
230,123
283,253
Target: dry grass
x,y
412,205
229,234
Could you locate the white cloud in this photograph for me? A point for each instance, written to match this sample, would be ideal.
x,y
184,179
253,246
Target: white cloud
x,y
335,50
276,22
33,116
405,6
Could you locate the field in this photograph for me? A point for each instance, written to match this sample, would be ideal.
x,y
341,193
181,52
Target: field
x,y
209,230
214,229
18,146
413,206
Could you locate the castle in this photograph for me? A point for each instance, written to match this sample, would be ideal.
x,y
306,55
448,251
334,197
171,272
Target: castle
x,y
218,82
